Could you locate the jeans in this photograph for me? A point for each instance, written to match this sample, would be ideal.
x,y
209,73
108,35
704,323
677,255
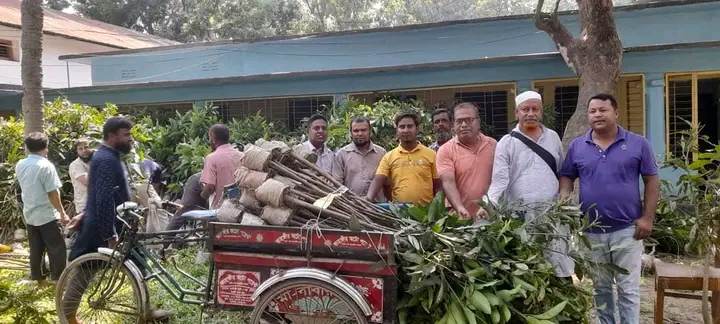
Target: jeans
x,y
623,250
46,238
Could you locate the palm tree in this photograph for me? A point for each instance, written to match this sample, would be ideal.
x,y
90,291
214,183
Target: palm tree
x,y
31,42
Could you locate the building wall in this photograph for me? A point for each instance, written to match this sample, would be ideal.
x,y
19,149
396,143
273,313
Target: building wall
x,y
55,72
653,66
402,46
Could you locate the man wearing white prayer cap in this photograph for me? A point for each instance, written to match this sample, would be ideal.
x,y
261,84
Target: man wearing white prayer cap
x,y
525,173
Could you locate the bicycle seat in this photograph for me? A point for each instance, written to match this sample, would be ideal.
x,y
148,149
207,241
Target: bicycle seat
x,y
128,205
201,215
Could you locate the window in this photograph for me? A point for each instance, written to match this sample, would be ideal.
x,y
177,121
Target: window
x,y
632,113
693,98
493,110
162,111
274,110
680,110
563,95
565,103
301,108
283,112
6,50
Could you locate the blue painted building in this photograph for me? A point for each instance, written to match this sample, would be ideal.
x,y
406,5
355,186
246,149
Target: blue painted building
x,y
671,69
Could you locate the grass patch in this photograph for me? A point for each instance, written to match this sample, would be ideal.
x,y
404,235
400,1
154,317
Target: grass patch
x,y
25,302
186,313
22,302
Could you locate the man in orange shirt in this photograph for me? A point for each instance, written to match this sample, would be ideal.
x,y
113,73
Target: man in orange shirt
x,y
465,162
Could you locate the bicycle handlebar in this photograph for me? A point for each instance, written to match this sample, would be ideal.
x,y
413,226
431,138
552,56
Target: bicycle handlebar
x,y
129,208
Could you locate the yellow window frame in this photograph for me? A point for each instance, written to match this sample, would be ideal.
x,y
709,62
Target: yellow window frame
x,y
684,76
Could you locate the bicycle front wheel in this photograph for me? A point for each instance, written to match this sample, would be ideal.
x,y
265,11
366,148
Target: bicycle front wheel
x,y
306,301
91,291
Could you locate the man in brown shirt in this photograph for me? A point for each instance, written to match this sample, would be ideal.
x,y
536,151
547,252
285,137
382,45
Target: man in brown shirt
x,y
354,165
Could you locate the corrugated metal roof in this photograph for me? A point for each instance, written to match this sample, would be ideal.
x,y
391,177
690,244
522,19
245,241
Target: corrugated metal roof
x,y
395,29
76,27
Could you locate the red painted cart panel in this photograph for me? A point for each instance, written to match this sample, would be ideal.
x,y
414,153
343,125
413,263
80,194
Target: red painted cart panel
x,y
245,256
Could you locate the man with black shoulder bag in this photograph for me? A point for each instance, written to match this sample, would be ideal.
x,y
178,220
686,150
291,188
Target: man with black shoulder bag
x,y
525,174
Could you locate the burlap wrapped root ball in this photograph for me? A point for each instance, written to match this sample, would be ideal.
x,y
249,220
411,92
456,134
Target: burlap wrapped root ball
x,y
249,179
272,146
277,216
250,219
230,211
249,201
271,192
256,158
302,151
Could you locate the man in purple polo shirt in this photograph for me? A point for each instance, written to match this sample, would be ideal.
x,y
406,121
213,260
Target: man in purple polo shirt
x,y
609,161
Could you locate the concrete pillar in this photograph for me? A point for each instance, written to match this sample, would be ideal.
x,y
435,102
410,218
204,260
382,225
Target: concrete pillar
x,y
655,112
523,85
655,121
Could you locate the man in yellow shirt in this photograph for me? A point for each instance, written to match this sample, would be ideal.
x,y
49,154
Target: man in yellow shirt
x,y
408,171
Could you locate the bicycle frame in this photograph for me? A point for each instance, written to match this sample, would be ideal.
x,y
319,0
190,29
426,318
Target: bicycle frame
x,y
154,270
131,248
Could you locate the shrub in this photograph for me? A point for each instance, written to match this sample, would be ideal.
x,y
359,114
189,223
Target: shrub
x,y
382,117
64,123
180,143
252,128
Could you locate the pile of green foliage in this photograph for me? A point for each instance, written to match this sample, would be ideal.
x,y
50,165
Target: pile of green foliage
x,y
457,272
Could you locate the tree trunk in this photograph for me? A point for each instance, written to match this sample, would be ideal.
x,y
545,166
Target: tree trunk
x,y
31,68
595,56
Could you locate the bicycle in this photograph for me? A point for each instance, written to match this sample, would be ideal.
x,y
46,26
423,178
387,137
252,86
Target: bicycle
x,y
109,286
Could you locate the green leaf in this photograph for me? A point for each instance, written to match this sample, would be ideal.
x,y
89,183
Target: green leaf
x,y
415,243
438,226
553,312
437,207
412,257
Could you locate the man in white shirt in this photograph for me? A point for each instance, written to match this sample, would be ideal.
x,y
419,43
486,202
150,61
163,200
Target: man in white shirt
x,y
78,171
317,135
43,211
525,172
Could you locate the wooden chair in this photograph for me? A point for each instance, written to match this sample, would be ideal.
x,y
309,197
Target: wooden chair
x,y
671,276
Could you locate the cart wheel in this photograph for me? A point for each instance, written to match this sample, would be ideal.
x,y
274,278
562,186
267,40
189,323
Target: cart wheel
x,y
79,292
305,301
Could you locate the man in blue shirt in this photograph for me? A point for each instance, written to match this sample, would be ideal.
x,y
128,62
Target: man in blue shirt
x,y
107,188
42,207
609,162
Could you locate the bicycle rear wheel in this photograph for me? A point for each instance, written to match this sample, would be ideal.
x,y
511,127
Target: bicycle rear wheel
x,y
92,292
306,301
